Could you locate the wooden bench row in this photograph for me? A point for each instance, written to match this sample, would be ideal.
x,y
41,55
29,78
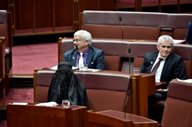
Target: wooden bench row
x,y
135,25
117,55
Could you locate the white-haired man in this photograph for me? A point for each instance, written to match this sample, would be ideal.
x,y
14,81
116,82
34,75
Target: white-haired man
x,y
92,57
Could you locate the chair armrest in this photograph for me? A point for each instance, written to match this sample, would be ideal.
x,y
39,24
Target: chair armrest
x,y
162,85
167,29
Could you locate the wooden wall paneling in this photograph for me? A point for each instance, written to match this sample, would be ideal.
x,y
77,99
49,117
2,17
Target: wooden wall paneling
x,y
139,5
76,16
23,14
87,5
4,5
64,12
178,6
43,13
96,5
53,28
159,4
107,5
11,7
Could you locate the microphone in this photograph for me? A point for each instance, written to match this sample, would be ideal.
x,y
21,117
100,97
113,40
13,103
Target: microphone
x,y
128,94
76,47
129,52
120,19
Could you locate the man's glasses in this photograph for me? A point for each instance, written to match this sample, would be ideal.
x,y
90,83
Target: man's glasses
x,y
77,40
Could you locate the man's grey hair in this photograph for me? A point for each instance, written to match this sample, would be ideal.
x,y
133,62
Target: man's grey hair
x,y
86,36
165,38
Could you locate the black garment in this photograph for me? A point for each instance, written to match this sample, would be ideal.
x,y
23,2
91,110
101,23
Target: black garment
x,y
65,85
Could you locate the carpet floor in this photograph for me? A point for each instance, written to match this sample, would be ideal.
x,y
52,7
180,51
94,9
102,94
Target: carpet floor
x,y
28,57
25,59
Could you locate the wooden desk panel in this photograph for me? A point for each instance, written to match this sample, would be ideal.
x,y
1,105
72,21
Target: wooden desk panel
x,y
41,116
76,116
2,67
118,119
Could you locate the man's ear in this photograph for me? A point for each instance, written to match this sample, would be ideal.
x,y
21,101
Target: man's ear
x,y
158,47
87,42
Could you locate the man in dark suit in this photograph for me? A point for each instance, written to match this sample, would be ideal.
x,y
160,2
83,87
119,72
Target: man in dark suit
x,y
92,57
170,66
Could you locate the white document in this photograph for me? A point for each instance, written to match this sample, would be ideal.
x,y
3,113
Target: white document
x,y
19,103
178,41
48,104
54,67
186,80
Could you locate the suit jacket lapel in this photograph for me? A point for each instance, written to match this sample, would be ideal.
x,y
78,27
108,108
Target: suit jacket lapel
x,y
90,55
73,57
168,60
152,61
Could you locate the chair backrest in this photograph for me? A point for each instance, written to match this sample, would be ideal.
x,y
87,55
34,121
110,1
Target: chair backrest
x,y
4,24
42,81
6,28
178,107
135,25
106,91
113,63
138,62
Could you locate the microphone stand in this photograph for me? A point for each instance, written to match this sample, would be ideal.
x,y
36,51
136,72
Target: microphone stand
x,y
128,94
120,19
129,52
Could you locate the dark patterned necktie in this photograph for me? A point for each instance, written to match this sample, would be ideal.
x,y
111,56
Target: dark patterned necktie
x,y
156,66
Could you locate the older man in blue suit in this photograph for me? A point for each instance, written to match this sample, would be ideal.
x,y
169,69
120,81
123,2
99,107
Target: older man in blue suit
x,y
91,56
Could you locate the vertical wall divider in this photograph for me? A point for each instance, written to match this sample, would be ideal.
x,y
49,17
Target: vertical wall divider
x,y
54,16
34,17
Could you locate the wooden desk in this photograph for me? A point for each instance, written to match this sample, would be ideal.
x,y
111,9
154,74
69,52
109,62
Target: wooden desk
x,y
41,116
142,86
76,116
118,119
